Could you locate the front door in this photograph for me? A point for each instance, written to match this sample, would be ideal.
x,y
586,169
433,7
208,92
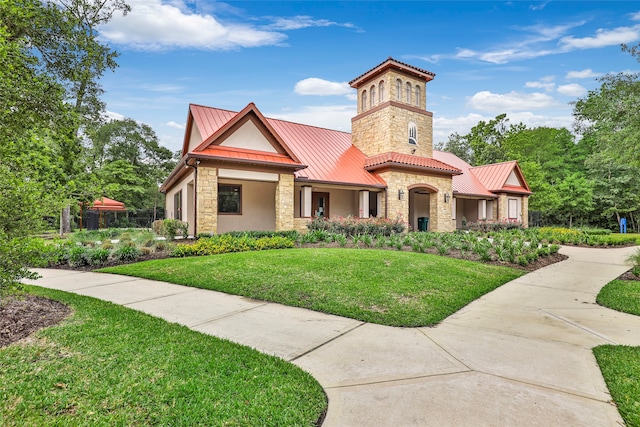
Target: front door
x,y
320,204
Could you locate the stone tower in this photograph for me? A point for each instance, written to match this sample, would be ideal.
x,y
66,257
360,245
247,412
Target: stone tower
x,y
392,114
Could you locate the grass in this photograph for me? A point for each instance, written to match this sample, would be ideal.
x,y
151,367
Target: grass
x,y
621,295
617,237
108,365
620,366
378,286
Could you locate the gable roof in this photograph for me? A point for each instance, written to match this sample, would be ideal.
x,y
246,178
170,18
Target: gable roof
x,y
407,161
324,155
466,183
494,177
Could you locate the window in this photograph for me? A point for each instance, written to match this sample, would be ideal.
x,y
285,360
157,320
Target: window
x,y
408,95
381,91
177,205
229,199
513,209
418,96
413,133
364,100
399,90
372,96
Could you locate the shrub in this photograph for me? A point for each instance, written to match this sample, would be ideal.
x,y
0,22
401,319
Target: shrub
x,y
98,256
127,253
173,227
77,256
351,226
635,262
226,243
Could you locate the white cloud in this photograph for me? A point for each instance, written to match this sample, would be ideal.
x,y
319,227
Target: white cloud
x,y
572,89
635,16
602,38
154,25
509,102
321,87
587,73
301,21
175,125
111,115
445,126
337,117
545,83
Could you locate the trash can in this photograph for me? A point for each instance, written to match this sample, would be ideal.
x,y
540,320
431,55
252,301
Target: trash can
x,y
423,223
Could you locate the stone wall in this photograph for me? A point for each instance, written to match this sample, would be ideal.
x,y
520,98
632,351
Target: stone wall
x,y
207,193
284,202
387,129
440,212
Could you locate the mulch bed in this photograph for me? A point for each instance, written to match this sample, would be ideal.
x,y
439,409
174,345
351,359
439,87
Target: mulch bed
x,y
20,316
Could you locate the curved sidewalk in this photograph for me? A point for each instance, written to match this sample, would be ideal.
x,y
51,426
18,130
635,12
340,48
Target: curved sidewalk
x,y
520,355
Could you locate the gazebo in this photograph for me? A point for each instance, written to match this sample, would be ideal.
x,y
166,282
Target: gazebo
x,y
103,204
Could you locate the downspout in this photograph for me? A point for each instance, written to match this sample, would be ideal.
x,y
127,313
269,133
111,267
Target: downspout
x,y
195,194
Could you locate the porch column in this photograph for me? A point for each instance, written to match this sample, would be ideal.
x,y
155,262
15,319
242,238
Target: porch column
x,y
284,202
482,209
363,204
306,202
207,205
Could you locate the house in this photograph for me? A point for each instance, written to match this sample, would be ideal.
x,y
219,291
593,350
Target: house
x,y
243,171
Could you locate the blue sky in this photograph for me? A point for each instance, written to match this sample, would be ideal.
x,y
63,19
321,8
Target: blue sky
x,y
293,59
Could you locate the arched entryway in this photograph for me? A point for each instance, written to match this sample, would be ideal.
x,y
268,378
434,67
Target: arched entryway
x,y
421,197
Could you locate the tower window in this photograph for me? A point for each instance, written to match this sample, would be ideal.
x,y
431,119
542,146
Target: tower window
x,y
381,91
364,100
399,90
408,90
418,96
413,133
372,96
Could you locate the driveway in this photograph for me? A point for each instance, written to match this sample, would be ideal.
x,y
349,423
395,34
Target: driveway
x,y
519,356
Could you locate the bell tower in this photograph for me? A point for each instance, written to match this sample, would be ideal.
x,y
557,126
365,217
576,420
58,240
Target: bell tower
x,y
392,114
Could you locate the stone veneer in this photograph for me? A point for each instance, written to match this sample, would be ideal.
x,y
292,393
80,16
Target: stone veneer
x,y
386,130
207,193
440,213
284,202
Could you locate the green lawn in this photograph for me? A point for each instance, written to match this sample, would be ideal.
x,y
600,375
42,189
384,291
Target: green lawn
x,y
107,365
379,286
620,365
621,295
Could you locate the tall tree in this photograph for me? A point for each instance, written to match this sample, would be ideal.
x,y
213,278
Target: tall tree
x,y
486,140
136,144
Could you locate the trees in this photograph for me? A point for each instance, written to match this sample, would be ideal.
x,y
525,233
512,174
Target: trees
x,y
129,162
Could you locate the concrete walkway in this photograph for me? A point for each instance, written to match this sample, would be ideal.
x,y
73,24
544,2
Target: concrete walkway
x,y
519,356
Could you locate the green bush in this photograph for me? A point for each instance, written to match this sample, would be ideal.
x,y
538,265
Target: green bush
x,y
127,253
226,243
77,256
351,226
173,227
635,262
290,234
98,256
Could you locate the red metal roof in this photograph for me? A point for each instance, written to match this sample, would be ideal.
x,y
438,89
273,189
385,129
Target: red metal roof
x,y
466,183
392,63
248,156
107,204
406,160
494,177
328,154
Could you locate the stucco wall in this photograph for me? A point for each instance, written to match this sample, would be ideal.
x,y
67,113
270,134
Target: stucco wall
x,y
258,209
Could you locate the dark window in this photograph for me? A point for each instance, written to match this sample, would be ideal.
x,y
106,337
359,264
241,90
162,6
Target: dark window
x,y
230,199
177,205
